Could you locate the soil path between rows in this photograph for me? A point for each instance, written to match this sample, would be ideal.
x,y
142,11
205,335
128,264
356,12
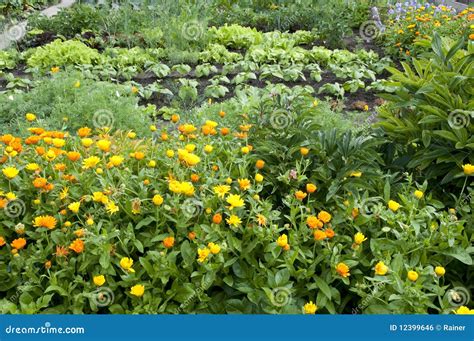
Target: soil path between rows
x,y
18,31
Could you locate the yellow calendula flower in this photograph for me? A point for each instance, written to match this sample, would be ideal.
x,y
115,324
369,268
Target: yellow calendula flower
x,y
111,208
30,117
116,160
137,290
104,145
357,174
463,310
343,270
412,275
258,177
32,167
221,190
126,263
214,248
310,308
282,240
468,169
169,153
10,172
234,200
87,142
99,280
418,194
208,148
359,238
244,184
74,207
233,220
90,162
440,271
381,269
152,164
203,254
157,200
393,205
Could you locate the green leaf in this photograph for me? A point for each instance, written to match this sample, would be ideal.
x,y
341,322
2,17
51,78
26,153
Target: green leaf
x,y
323,286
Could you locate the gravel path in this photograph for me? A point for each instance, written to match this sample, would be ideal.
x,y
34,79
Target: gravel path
x,y
18,31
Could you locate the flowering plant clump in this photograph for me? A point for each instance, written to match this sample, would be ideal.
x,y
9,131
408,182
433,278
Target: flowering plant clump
x,y
410,22
184,222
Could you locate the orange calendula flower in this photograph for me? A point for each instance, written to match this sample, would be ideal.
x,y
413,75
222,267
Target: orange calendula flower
x,y
319,235
330,233
314,222
300,195
324,216
18,243
77,246
45,221
343,270
244,184
168,242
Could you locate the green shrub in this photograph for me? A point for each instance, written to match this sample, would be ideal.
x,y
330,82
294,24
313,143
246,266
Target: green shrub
x,y
8,59
235,36
70,102
62,53
430,116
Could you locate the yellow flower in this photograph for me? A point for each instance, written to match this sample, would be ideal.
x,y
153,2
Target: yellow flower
x,y
59,143
32,167
418,194
157,200
245,150
99,280
356,174
244,184
359,238
77,84
233,220
282,240
190,147
104,145
131,135
152,164
208,148
412,275
381,269
116,160
463,310
30,117
304,151
343,270
74,207
203,254
111,208
214,248
440,271
169,153
87,142
126,264
234,200
221,190
258,177
393,205
310,308
91,162
468,169
10,172
137,290
324,216
45,221
55,69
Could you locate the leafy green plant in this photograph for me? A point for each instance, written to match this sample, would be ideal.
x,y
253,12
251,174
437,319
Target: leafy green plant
x,y
429,117
235,36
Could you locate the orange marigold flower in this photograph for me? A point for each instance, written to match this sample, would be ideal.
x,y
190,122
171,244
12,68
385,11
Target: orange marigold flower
x,y
319,235
343,270
314,222
73,156
18,243
330,233
192,235
84,132
217,218
45,221
300,195
194,177
168,242
2,241
324,216
77,246
311,188
260,164
40,182
225,131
